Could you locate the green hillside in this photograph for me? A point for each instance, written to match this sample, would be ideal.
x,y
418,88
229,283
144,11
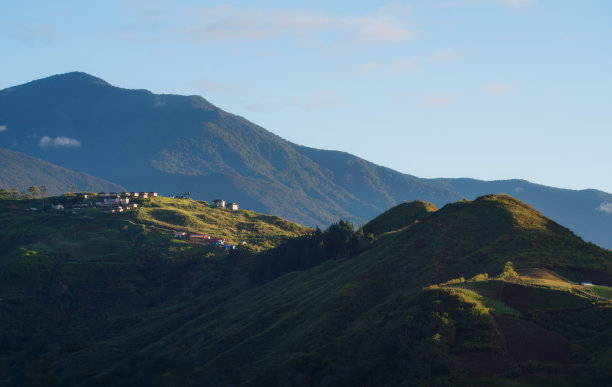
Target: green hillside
x,y
399,216
331,307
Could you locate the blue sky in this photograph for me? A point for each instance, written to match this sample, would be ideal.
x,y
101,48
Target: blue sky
x,y
490,89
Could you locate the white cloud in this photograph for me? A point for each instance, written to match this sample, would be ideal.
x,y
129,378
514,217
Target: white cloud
x,y
241,23
605,207
3,128
437,100
497,89
46,141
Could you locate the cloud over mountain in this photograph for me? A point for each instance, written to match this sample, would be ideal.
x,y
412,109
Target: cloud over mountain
x,y
605,207
46,141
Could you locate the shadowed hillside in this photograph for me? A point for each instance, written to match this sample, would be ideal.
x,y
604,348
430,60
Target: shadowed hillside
x,y
366,311
21,171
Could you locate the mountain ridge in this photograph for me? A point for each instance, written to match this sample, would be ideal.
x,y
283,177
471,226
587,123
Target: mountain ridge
x,y
173,144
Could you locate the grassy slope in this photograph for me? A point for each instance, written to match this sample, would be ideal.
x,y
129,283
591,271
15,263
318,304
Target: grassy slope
x,y
67,281
258,230
365,319
400,216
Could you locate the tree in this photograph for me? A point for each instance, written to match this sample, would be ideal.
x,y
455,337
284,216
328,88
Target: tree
x,y
14,193
33,191
5,193
509,274
43,194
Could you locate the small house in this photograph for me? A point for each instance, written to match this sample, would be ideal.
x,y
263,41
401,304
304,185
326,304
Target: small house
x,y
101,194
57,206
219,203
196,236
233,206
586,284
153,194
134,194
180,234
144,195
111,200
124,200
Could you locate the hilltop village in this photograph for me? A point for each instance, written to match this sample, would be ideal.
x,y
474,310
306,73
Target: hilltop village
x,y
114,202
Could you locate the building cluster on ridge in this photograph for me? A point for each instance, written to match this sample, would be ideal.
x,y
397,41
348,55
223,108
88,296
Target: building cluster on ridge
x,y
114,202
109,202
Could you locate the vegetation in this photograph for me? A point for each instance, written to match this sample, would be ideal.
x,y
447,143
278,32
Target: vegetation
x,y
113,299
339,241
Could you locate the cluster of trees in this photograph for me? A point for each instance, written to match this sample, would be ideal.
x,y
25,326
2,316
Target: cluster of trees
x,y
339,241
32,192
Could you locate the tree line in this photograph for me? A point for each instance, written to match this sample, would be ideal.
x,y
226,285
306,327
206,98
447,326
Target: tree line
x,y
339,241
33,192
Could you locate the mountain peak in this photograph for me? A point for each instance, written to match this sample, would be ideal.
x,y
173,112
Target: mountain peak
x,y
400,216
78,76
66,81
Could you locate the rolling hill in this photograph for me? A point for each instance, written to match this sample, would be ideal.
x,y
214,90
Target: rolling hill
x,y
172,144
388,310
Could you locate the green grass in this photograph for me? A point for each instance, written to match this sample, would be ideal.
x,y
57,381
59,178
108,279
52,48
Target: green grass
x,y
482,303
258,230
601,291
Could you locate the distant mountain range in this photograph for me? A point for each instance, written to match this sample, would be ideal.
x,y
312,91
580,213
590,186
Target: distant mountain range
x,y
172,144
21,171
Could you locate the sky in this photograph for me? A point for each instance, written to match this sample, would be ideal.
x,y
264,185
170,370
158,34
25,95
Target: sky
x,y
489,89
